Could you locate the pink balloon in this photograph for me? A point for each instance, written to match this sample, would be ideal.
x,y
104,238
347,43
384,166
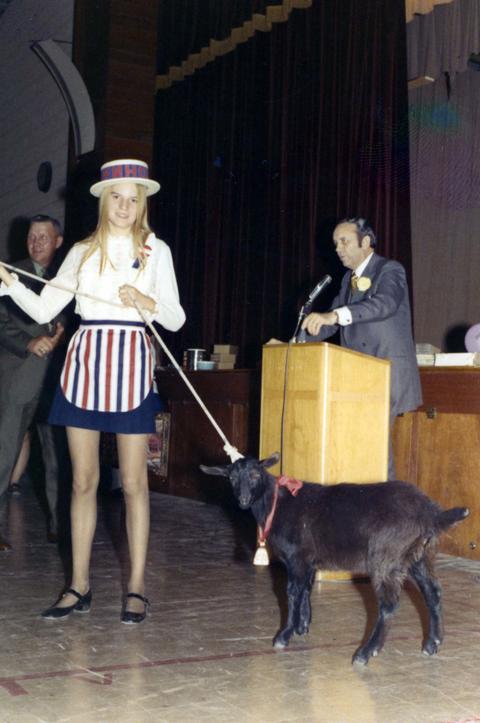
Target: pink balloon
x,y
472,338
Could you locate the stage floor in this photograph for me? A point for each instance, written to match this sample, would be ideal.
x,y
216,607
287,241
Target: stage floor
x,y
205,653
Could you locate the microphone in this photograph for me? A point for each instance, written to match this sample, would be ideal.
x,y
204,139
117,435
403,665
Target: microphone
x,y
299,335
322,284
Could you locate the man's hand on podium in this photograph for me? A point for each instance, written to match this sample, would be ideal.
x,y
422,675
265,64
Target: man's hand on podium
x,y
314,322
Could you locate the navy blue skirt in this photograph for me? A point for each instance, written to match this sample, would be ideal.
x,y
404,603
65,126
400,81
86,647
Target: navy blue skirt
x,y
140,420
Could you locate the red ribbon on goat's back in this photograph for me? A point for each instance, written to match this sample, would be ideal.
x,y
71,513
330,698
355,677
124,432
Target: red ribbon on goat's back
x,y
293,486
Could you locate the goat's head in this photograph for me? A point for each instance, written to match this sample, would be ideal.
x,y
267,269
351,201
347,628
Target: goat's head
x,y
247,477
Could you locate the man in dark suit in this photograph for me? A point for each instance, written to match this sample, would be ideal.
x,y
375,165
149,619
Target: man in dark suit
x,y
372,311
25,356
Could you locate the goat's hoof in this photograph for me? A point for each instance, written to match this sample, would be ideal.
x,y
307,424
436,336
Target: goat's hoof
x,y
280,643
302,630
360,659
430,647
363,655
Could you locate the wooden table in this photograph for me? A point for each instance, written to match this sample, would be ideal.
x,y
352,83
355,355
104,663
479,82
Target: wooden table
x,y
438,449
232,398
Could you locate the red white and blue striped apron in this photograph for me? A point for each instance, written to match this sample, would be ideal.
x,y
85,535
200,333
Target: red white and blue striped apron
x,y
108,367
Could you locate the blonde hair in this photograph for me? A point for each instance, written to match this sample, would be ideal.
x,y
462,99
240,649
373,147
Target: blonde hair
x,y
140,230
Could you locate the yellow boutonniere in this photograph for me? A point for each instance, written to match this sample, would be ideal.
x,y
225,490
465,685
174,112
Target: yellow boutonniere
x,y
363,283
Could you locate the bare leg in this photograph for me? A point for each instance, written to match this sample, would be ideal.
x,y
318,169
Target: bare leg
x,y
84,447
132,455
22,460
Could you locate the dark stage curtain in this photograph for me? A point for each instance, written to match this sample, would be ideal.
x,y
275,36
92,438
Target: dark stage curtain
x,y
186,26
260,152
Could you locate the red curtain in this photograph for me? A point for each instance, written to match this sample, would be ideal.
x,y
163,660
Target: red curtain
x,y
260,152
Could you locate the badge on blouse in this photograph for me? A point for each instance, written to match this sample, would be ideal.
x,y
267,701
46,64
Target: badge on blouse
x,y
144,253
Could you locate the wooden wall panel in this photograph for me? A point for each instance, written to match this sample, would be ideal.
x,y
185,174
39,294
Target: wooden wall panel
x,y
438,449
131,72
406,447
232,399
115,51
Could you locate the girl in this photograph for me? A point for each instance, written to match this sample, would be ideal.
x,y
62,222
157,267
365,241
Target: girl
x,y
106,382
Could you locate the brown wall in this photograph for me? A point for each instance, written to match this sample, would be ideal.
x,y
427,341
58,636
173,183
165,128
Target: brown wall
x,y
115,51
131,70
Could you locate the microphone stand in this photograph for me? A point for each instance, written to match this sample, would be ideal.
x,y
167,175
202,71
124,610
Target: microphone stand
x,y
307,307
304,311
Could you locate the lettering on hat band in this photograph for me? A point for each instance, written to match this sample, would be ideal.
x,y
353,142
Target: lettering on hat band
x,y
123,170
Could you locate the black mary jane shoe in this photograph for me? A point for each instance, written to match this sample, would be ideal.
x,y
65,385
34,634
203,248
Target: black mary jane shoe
x,y
81,606
130,618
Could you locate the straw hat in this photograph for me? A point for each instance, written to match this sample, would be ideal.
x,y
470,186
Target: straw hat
x,y
125,170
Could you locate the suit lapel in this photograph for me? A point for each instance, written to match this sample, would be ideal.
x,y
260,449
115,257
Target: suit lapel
x,y
345,289
27,265
36,286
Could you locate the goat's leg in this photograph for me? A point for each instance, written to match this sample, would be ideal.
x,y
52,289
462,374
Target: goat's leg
x,y
305,608
388,601
282,638
432,594
299,583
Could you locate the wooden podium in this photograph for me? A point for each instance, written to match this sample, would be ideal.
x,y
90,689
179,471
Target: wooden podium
x,y
336,409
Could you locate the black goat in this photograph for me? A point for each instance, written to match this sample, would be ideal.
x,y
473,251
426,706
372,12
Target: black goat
x,y
386,530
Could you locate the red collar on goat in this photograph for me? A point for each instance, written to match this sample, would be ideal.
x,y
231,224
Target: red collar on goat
x,y
293,486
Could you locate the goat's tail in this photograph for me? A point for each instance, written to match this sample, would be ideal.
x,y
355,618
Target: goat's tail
x,y
447,518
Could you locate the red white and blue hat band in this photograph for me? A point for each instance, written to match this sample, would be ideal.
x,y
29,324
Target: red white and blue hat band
x,y
125,170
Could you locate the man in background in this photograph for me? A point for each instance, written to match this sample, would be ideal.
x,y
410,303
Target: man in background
x,y
26,354
372,311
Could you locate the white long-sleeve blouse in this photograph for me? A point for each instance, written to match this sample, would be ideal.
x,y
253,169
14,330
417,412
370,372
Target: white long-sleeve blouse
x,y
156,280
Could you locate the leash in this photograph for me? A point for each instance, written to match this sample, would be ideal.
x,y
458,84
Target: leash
x,y
230,450
56,285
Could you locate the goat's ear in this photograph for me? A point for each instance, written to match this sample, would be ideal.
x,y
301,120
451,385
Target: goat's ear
x,y
217,471
270,461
